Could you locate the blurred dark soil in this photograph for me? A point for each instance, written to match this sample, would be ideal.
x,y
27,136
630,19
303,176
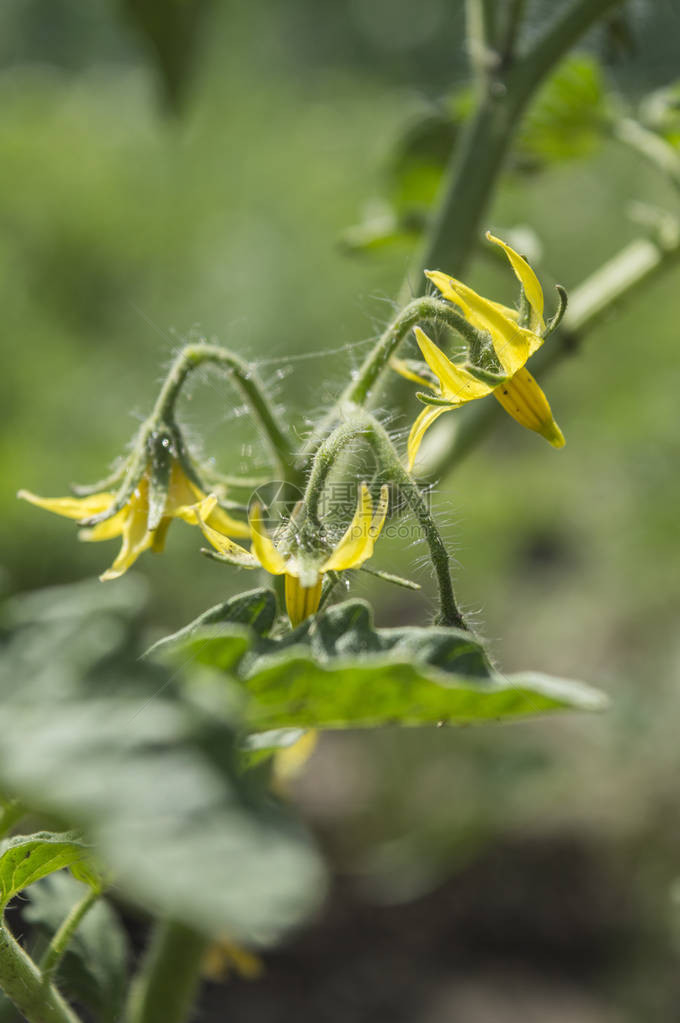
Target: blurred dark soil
x,y
529,931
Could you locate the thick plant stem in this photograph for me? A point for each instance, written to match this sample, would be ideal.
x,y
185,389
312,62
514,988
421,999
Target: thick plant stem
x,y
166,987
359,423
421,310
61,938
193,356
21,980
477,164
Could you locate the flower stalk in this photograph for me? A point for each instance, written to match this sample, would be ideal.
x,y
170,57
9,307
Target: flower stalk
x,y
61,938
422,310
361,424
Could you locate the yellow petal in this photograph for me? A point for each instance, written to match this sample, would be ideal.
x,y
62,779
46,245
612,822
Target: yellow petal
x,y
71,507
351,550
380,514
301,601
181,490
445,284
403,369
136,537
159,535
184,495
513,344
218,539
420,427
290,760
218,519
108,529
224,955
262,545
527,278
457,384
524,400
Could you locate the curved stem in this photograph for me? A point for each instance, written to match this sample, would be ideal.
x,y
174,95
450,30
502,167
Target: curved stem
x,y
61,937
193,356
421,310
362,424
165,989
22,982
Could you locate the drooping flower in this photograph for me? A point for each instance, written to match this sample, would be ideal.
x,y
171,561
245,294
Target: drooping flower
x,y
512,345
142,520
303,563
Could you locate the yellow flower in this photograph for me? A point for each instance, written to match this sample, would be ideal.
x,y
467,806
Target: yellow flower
x,y
132,521
303,569
513,345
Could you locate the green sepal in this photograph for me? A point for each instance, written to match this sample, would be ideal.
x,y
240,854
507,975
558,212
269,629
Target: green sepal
x,y
114,477
389,577
161,454
432,399
244,560
487,376
135,466
524,319
555,320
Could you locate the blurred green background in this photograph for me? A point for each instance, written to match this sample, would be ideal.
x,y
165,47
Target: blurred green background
x,y
525,872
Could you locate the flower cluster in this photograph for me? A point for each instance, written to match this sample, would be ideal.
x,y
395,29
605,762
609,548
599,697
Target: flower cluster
x,y
303,562
158,482
501,366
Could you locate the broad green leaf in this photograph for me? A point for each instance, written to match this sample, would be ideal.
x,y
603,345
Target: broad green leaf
x,y
339,671
109,744
256,608
170,29
424,149
26,859
94,970
567,117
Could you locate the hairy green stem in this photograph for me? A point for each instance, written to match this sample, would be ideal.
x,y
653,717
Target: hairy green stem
x,y
361,424
62,937
421,310
165,989
636,264
22,982
193,356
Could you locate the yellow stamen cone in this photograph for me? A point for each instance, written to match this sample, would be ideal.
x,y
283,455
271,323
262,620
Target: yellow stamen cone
x,y
523,399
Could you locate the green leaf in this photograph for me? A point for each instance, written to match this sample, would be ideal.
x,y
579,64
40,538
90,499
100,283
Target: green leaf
x,y
111,745
93,971
26,859
567,117
256,608
171,31
339,671
660,112
413,177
